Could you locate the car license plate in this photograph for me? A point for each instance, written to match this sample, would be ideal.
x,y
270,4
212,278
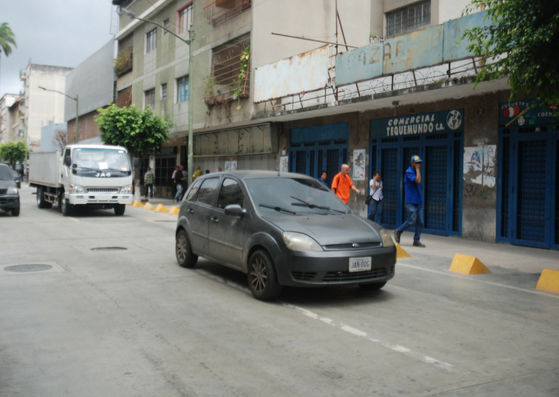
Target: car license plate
x,y
360,264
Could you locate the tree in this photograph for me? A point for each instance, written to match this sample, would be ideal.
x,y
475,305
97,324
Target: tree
x,y
59,140
7,39
139,131
521,43
14,152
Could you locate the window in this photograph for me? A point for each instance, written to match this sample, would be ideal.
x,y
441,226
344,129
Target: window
x,y
230,193
408,18
207,191
124,98
149,98
166,26
151,40
182,89
163,91
226,66
192,192
219,11
185,18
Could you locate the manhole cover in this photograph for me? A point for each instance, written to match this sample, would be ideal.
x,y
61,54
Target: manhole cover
x,y
161,220
27,268
109,249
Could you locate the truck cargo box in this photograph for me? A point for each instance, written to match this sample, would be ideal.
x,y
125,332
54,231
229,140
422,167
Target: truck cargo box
x,y
44,169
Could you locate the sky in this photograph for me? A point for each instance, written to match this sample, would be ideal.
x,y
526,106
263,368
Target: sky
x,y
52,32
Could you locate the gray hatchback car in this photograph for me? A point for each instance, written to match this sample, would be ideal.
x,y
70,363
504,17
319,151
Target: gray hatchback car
x,y
281,230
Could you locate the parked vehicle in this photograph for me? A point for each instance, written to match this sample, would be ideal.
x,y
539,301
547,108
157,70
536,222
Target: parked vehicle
x,y
281,230
9,193
84,176
17,178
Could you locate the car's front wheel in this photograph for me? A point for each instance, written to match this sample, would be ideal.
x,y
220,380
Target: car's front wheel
x,y
65,206
261,275
373,286
15,211
183,251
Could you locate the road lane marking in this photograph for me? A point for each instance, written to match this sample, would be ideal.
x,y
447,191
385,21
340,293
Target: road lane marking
x,y
362,334
479,281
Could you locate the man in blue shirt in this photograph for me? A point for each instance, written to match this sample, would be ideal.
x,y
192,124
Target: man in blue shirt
x,y
323,179
414,202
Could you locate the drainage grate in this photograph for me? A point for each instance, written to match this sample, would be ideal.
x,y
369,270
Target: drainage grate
x,y
109,249
27,268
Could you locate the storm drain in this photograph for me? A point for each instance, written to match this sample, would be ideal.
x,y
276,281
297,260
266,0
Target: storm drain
x,y
109,249
27,268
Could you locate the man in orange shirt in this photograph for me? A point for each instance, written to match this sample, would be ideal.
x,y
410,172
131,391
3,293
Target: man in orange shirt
x,y
342,184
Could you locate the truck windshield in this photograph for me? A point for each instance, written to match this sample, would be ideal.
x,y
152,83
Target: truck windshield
x,y
94,162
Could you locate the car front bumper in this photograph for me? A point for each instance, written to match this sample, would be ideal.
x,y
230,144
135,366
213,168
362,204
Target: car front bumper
x,y
9,202
332,267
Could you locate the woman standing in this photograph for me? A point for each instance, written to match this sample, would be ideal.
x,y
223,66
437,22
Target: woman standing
x,y
375,206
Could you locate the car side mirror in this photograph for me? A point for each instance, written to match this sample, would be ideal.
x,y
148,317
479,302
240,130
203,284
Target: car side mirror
x,y
67,161
235,210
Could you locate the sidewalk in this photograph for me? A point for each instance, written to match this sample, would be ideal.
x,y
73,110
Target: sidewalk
x,y
513,257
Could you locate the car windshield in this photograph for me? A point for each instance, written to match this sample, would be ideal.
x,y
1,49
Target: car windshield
x,y
89,162
5,174
295,196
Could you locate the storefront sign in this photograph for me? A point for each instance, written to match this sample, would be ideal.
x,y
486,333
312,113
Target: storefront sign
x,y
425,123
523,114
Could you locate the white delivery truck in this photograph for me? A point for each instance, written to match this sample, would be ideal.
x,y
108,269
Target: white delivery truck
x,y
83,176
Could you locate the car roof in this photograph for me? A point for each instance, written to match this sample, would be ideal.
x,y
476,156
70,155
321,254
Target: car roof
x,y
4,165
255,174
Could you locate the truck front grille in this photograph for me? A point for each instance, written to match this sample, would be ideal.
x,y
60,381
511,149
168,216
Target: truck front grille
x,y
102,189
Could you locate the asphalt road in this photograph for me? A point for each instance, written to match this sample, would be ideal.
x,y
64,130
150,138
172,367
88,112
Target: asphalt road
x,y
131,322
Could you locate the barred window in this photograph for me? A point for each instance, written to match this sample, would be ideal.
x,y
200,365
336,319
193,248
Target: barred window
x,y
408,19
151,40
182,89
185,18
166,26
163,91
149,96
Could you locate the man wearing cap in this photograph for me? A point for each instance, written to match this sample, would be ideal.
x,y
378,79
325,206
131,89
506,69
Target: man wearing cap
x,y
414,202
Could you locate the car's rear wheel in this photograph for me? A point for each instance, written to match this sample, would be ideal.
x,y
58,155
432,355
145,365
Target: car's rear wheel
x,y
119,209
183,251
41,197
261,275
372,286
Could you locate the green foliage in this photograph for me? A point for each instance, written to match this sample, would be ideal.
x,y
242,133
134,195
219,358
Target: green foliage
x,y
123,63
209,94
7,39
141,132
521,43
12,152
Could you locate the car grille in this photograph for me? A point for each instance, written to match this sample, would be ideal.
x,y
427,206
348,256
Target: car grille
x,y
347,276
350,246
101,189
303,276
3,191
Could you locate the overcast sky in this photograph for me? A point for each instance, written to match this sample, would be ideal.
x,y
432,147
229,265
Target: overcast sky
x,y
52,32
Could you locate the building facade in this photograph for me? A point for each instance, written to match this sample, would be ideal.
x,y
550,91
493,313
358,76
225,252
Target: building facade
x,y
9,118
386,80
41,107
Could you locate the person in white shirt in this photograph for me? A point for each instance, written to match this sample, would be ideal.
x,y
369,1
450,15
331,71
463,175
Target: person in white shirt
x,y
375,206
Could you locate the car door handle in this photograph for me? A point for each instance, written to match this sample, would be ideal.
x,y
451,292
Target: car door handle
x,y
214,219
190,210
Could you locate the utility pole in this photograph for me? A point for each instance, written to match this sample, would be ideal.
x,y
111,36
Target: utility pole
x,y
77,106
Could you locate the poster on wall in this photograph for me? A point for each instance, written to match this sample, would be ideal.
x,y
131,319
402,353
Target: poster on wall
x,y
359,165
479,165
489,163
284,164
227,166
234,165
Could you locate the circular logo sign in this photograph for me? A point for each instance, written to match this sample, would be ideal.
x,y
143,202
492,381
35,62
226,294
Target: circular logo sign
x,y
454,119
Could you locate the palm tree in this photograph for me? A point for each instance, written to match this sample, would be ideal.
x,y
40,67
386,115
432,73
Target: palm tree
x,y
7,39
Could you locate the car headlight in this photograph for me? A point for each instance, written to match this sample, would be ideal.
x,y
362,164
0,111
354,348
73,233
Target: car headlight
x,y
126,190
76,189
300,242
386,238
12,190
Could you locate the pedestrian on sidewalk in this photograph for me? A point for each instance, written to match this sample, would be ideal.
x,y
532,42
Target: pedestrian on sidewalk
x,y
197,173
342,184
178,177
323,178
148,182
184,181
414,202
377,197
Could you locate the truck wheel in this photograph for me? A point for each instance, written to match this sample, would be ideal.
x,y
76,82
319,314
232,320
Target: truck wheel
x,y
119,209
41,198
65,206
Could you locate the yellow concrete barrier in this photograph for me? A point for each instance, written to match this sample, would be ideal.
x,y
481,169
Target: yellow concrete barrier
x,y
137,204
401,253
468,265
148,206
549,281
161,208
174,211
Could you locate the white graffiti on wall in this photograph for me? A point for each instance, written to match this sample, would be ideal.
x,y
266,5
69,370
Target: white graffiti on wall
x,y
479,165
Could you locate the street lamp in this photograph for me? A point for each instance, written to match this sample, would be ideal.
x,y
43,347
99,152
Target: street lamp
x,y
77,106
190,101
